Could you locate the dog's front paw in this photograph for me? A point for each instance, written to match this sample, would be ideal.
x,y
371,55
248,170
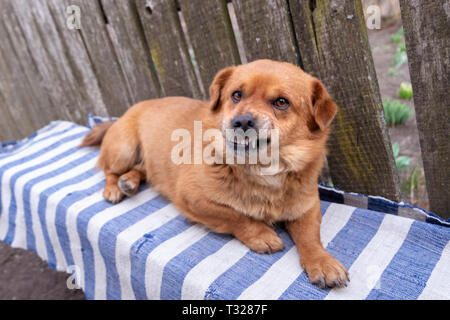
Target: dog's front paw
x,y
263,240
113,194
325,271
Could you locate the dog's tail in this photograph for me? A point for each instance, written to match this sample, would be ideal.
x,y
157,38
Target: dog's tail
x,y
95,137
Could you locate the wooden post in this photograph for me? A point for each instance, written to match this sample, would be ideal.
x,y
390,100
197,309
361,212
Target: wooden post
x,y
210,31
427,35
100,50
333,46
266,30
58,62
133,54
24,106
168,47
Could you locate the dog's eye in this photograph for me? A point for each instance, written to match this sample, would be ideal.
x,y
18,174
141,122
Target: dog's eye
x,y
281,103
236,96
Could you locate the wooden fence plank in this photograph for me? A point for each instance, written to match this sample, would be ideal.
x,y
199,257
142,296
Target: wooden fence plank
x,y
15,98
427,25
333,46
61,61
27,108
210,31
128,39
8,131
102,55
266,30
168,47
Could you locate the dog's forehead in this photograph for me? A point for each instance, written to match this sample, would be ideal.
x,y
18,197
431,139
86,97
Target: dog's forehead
x,y
270,74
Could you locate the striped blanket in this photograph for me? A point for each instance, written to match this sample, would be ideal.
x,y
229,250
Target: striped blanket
x,y
51,203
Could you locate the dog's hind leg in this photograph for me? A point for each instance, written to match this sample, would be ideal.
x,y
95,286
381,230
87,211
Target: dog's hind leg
x,y
120,153
129,182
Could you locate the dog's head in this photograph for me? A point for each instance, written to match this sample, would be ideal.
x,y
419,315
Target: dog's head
x,y
266,95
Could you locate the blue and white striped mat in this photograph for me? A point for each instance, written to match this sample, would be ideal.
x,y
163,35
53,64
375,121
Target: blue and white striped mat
x,y
51,203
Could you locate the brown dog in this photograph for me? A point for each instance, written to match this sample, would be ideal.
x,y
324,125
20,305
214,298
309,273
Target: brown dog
x,y
234,198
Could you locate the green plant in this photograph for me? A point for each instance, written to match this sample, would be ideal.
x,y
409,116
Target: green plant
x,y
400,57
405,91
401,162
396,112
398,36
414,183
393,72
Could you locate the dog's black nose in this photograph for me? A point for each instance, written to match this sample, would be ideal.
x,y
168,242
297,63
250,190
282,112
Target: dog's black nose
x,y
244,122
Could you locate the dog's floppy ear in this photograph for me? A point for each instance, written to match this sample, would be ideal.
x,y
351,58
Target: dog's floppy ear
x,y
323,107
216,87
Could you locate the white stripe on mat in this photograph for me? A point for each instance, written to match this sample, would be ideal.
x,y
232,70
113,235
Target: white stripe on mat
x,y
35,193
7,175
40,135
286,270
129,236
20,236
438,285
160,256
369,266
93,231
50,218
71,225
199,279
39,145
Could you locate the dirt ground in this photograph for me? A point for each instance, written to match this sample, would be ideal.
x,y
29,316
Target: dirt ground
x,y
23,275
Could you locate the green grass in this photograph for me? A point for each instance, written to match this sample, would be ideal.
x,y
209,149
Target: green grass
x,y
414,183
398,36
400,56
396,112
405,91
401,162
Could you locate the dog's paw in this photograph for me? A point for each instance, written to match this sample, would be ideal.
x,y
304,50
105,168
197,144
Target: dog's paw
x,y
127,186
264,241
326,271
113,194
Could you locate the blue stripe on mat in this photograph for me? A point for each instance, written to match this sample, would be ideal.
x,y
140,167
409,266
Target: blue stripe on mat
x,y
27,196
407,274
32,156
178,267
28,142
88,253
61,218
224,286
346,246
382,206
108,239
144,246
236,279
13,206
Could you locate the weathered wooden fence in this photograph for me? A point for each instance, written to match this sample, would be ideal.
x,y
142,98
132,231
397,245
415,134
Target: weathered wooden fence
x,y
126,51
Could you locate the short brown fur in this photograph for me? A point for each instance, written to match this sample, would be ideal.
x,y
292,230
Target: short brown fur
x,y
234,199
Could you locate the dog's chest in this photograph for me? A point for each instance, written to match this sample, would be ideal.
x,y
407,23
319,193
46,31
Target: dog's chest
x,y
270,203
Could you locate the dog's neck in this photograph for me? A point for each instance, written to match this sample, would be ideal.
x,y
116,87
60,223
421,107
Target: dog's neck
x,y
253,174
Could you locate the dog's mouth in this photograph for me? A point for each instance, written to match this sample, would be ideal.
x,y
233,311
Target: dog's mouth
x,y
247,145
